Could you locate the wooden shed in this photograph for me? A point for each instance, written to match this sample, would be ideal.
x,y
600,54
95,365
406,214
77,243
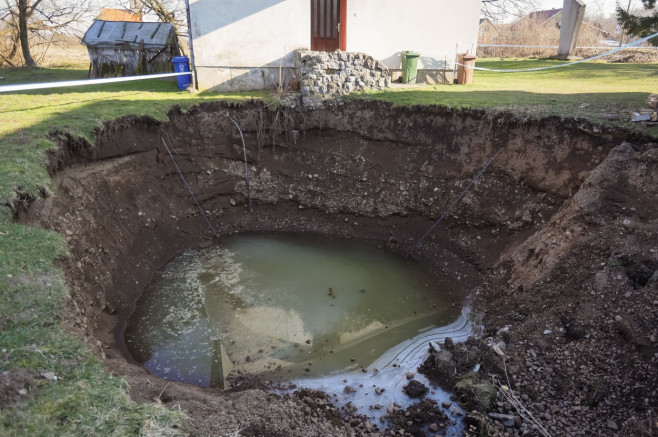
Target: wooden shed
x,y
123,48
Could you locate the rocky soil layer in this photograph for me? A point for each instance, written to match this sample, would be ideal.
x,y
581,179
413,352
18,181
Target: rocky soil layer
x,y
557,243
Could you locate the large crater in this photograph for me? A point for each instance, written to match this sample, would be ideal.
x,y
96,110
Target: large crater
x,y
545,212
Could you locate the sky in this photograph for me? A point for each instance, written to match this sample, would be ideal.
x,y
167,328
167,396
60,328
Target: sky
x,y
606,7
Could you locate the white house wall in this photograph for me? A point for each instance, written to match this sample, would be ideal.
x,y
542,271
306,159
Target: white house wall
x,y
246,44
240,44
385,28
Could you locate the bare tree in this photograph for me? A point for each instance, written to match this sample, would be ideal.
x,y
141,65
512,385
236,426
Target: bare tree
x,y
502,10
167,11
34,24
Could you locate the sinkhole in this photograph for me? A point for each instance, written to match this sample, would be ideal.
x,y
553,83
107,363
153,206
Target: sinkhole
x,y
248,302
285,306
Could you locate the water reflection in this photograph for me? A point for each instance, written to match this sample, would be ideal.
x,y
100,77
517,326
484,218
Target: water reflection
x,y
262,303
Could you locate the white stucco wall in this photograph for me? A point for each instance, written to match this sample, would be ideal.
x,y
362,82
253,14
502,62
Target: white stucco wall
x,y
239,44
385,28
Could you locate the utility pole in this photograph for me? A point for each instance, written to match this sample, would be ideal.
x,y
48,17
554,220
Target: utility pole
x,y
623,30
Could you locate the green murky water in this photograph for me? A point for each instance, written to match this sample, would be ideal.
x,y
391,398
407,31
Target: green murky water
x,y
261,303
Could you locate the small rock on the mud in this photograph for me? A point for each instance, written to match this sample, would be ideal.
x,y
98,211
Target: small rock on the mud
x,y
446,404
410,375
232,202
433,427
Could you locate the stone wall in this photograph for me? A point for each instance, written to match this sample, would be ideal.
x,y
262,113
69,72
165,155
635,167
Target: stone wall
x,y
329,74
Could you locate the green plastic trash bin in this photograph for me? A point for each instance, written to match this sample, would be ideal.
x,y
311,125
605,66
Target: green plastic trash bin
x,y
409,66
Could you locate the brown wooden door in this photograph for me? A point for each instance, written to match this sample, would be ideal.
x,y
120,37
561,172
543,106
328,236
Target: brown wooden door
x,y
325,25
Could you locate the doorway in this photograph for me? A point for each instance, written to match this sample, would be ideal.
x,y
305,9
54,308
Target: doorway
x,y
327,25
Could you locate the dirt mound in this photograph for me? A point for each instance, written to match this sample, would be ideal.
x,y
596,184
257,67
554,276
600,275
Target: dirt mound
x,y
557,241
16,386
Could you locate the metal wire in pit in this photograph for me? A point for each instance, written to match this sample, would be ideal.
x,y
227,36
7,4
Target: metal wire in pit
x,y
454,203
212,228
246,167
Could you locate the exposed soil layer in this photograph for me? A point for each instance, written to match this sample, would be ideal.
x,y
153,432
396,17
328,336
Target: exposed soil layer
x,y
558,242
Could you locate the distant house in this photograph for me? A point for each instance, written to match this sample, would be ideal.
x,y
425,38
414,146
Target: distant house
x,y
123,48
119,15
248,44
488,32
545,17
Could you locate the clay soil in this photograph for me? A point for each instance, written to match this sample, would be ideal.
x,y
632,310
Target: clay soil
x,y
557,243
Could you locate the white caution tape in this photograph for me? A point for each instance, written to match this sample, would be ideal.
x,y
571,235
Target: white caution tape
x,y
568,64
45,85
519,46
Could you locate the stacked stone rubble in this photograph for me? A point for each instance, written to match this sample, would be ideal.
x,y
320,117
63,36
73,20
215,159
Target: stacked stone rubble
x,y
329,74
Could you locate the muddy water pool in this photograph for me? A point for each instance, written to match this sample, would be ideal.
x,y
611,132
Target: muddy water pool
x,y
286,306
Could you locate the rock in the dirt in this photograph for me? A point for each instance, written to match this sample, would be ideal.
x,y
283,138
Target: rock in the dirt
x,y
444,356
505,419
416,389
433,427
640,117
446,404
49,376
349,389
410,375
600,279
232,202
611,425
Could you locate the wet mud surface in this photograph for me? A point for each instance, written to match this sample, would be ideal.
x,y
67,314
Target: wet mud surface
x,y
557,244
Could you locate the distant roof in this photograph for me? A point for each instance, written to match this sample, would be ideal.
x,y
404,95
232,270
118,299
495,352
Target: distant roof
x,y
543,16
119,15
119,33
491,23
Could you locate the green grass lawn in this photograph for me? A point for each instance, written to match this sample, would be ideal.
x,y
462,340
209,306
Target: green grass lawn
x,y
87,401
587,90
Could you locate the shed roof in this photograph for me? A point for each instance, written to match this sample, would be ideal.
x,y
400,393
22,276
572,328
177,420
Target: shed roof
x,y
121,33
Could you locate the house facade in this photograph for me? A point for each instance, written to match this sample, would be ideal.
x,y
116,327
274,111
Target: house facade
x,y
251,44
489,32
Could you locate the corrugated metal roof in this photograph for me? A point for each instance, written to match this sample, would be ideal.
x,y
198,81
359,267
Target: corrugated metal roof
x,y
118,33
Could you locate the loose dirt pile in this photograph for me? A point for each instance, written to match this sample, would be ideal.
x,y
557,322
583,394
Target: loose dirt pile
x,y
558,244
